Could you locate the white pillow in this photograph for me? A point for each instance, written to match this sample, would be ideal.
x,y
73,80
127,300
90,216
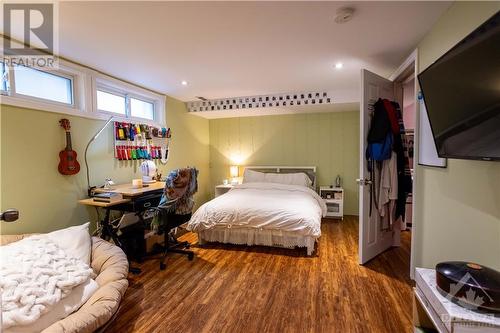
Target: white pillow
x,y
298,178
76,298
75,241
250,176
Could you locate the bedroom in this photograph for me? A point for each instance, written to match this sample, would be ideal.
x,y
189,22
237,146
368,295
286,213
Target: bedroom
x,y
175,55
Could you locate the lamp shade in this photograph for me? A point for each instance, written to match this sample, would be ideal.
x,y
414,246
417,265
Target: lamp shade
x,y
233,171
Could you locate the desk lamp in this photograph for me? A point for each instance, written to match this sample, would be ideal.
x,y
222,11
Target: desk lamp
x,y
89,188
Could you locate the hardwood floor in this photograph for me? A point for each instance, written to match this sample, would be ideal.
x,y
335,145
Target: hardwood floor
x,y
259,289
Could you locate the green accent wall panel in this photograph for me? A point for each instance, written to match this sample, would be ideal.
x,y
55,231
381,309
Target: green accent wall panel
x,y
329,141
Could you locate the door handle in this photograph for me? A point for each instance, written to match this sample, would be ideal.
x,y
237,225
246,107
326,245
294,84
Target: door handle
x,y
364,182
10,215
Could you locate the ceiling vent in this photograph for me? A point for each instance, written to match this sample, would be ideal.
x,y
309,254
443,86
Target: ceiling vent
x,y
344,15
260,101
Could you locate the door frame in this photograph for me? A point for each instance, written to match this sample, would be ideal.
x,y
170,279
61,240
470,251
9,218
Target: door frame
x,y
412,61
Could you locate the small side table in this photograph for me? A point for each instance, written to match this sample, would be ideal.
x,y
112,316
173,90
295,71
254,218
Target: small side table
x,y
221,189
334,200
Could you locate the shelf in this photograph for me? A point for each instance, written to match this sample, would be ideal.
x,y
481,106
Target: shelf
x,y
334,201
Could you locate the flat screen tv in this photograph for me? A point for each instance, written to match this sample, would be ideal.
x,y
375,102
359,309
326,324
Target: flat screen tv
x,y
461,92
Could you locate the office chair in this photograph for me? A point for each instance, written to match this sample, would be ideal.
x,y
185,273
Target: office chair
x,y
175,208
168,221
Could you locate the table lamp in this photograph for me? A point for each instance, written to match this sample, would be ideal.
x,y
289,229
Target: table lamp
x,y
234,172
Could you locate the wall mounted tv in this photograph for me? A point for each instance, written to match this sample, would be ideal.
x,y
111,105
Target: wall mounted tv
x,y
461,92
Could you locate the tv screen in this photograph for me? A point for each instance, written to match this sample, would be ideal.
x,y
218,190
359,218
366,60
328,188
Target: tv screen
x,y
461,92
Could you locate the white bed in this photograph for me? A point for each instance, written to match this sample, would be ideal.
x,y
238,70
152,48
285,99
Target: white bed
x,y
263,211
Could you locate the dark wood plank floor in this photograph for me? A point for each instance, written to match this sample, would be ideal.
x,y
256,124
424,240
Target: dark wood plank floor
x,y
258,289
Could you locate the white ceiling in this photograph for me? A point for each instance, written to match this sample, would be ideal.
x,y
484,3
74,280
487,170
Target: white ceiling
x,y
226,49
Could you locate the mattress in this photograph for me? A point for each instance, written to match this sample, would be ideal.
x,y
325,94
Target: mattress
x,y
263,206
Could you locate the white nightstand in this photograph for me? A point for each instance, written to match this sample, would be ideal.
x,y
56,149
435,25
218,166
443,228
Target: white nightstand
x,y
334,200
221,189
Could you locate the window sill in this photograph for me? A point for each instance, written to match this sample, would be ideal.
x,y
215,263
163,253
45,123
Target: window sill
x,y
68,110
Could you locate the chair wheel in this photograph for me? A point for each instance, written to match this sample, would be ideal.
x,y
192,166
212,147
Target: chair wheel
x,y
190,256
162,266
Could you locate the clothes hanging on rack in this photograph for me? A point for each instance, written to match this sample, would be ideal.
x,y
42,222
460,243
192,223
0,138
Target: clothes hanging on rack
x,y
388,190
380,123
379,147
393,116
390,173
404,172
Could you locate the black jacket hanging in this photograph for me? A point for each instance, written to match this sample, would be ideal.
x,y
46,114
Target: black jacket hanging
x,y
404,176
380,124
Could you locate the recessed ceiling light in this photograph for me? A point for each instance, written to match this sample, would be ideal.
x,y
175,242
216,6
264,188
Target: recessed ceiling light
x,y
339,65
184,83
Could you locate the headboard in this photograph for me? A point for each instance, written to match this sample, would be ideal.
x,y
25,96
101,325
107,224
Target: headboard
x,y
310,171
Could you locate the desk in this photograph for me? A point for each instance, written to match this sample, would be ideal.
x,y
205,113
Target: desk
x,y
135,200
128,191
91,202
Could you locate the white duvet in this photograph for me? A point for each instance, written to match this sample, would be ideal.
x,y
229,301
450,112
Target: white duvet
x,y
267,206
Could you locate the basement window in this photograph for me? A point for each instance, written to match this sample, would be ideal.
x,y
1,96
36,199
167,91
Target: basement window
x,y
128,101
110,102
43,85
76,90
142,109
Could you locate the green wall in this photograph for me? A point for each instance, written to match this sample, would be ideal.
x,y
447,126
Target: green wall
x,y
31,141
458,214
329,141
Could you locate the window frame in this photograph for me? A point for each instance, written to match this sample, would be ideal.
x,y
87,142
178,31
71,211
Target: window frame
x,y
60,73
142,99
79,84
85,82
114,86
7,90
112,92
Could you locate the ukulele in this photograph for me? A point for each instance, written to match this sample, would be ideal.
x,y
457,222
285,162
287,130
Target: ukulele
x,y
68,165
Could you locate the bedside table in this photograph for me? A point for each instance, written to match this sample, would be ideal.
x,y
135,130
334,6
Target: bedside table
x,y
334,200
221,189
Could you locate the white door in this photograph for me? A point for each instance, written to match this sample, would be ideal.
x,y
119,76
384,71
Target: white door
x,y
372,239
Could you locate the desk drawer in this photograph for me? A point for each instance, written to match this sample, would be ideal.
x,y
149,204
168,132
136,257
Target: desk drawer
x,y
147,201
142,203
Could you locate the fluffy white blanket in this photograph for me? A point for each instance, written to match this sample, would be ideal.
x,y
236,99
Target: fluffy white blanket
x,y
35,274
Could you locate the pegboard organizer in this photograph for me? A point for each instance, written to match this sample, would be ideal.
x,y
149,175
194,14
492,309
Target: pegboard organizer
x,y
135,141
